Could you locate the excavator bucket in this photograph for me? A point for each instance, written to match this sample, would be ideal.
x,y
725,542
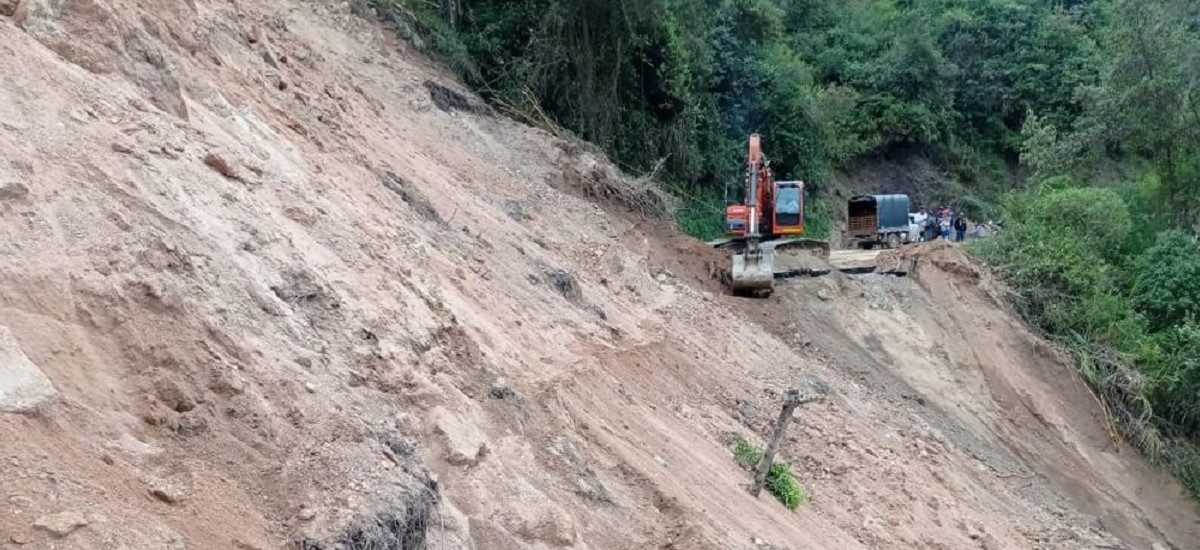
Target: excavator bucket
x,y
753,273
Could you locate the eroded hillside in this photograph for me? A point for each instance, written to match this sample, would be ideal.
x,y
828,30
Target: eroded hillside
x,y
291,287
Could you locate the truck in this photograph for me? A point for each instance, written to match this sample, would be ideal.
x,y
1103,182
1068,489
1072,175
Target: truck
x,y
874,220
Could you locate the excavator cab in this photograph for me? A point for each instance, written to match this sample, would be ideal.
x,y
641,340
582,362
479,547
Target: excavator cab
x,y
788,208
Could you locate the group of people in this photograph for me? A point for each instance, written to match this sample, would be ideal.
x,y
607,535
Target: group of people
x,y
941,223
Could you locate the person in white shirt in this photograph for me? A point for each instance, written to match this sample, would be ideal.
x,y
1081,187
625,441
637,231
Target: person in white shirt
x,y
920,219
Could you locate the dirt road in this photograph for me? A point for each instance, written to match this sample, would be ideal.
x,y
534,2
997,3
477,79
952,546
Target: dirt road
x,y
853,258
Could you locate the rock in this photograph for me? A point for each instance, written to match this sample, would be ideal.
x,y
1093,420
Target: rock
x,y
501,391
188,425
173,395
221,166
515,210
8,7
306,513
465,445
19,540
227,383
61,524
122,148
13,190
269,59
166,493
824,294
565,284
990,543
23,386
662,277
310,387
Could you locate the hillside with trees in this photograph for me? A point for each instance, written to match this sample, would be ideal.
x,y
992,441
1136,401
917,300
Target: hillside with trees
x,y
1076,121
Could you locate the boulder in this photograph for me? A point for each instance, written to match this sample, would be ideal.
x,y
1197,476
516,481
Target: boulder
x,y
13,190
61,524
23,386
465,445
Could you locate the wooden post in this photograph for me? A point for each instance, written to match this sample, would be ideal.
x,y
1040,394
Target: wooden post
x,y
792,400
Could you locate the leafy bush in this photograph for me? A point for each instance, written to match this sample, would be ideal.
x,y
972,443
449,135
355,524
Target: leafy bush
x,y
1167,287
780,481
1130,313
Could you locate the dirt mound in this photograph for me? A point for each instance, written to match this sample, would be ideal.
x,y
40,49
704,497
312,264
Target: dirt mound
x,y
286,291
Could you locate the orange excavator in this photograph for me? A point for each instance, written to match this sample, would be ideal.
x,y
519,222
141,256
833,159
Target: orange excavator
x,y
769,219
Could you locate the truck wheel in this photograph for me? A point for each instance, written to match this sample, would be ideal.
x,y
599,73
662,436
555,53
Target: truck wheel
x,y
893,240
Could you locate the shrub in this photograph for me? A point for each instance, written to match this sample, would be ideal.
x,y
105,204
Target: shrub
x,y
746,454
782,484
1185,464
1095,270
780,480
1166,289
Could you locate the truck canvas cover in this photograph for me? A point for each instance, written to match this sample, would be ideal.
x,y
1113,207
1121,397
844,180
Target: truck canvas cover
x,y
873,214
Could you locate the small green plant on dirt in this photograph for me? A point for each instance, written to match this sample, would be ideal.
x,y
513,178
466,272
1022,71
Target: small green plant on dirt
x,y
780,481
746,454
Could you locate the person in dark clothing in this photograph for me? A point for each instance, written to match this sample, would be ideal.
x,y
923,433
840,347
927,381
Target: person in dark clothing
x,y
931,228
960,227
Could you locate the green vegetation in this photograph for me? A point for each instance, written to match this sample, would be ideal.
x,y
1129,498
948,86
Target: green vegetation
x,y
1076,121
1112,268
680,84
780,481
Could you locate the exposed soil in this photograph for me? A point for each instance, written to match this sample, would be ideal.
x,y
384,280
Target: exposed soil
x,y
291,285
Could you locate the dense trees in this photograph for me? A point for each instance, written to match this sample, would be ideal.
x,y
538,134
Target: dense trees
x,y
826,82
1115,271
1078,119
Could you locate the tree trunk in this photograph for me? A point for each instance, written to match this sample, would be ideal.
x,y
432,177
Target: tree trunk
x,y
792,400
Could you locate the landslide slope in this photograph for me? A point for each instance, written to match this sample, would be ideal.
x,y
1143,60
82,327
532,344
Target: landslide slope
x,y
290,287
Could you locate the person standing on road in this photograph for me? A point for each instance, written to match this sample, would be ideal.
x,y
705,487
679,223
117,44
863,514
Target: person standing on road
x,y
960,227
921,220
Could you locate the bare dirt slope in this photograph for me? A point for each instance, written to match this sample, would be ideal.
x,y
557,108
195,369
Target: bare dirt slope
x,y
289,289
